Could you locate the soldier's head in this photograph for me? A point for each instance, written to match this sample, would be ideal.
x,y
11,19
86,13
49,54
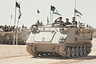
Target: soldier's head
x,y
73,18
60,18
67,20
38,21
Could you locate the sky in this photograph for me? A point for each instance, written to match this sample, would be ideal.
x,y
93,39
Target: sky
x,y
30,15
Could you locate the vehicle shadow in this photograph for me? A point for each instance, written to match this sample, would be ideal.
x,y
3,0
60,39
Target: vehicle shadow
x,y
61,58
49,57
86,58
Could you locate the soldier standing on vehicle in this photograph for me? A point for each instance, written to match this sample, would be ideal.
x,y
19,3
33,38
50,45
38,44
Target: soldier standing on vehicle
x,y
41,23
60,21
67,22
38,23
74,22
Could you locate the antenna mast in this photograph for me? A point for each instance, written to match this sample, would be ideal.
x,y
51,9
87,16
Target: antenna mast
x,y
75,4
75,9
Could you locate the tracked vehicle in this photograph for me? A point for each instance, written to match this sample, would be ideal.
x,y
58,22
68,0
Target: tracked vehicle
x,y
67,41
6,37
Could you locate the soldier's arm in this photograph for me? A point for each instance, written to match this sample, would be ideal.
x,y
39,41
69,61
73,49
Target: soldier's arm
x,y
55,20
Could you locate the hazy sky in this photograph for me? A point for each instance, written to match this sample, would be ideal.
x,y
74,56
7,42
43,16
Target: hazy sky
x,y
29,11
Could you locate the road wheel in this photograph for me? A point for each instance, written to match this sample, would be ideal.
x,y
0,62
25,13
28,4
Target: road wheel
x,y
88,49
85,50
73,52
69,51
29,50
81,51
77,51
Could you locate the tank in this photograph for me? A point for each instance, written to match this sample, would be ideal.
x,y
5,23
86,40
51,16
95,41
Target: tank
x,y
6,35
67,41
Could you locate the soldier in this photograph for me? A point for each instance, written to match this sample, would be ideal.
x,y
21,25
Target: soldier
x,y
41,23
74,22
87,25
11,28
60,21
67,22
38,23
3,28
0,27
22,26
6,28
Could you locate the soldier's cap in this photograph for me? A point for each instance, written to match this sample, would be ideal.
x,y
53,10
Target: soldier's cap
x,y
60,17
67,19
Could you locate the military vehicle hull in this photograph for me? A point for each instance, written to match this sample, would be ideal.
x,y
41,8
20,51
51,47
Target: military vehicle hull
x,y
7,37
94,34
66,51
65,42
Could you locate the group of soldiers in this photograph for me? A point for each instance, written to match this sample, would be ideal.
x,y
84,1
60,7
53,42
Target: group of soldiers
x,y
11,28
7,28
59,20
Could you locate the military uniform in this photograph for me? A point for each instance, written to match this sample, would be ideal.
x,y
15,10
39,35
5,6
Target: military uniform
x,y
74,22
59,22
41,24
67,23
38,23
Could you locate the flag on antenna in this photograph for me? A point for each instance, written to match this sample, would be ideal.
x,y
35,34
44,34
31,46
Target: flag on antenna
x,y
55,10
78,13
38,11
52,8
17,5
19,14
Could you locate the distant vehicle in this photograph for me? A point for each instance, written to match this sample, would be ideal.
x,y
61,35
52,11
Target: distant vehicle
x,y
6,35
1,30
94,33
68,41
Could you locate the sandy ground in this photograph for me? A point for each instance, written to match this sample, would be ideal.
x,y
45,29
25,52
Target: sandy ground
x,y
12,50
27,59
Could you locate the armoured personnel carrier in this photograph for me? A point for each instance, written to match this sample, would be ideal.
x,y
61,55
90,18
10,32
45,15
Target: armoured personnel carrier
x,y
67,41
7,34
94,33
